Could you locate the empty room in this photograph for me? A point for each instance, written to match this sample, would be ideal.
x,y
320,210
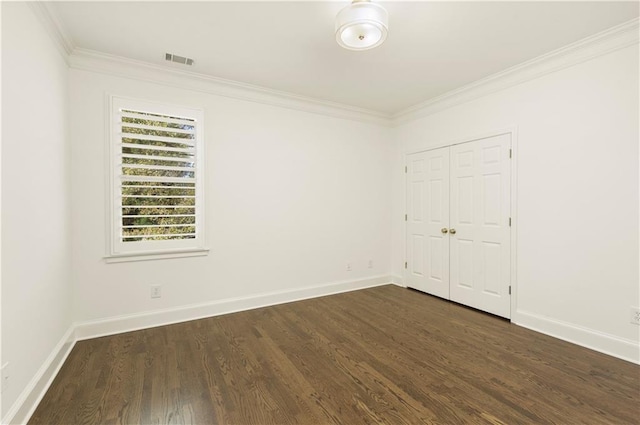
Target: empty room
x,y
320,212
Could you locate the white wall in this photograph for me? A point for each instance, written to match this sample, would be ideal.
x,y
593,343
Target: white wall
x,y
291,197
577,194
36,284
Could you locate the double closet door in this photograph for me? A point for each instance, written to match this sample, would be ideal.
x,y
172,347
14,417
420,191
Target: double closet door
x,y
458,223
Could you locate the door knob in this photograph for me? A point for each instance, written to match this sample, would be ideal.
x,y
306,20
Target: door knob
x,y
444,230
452,231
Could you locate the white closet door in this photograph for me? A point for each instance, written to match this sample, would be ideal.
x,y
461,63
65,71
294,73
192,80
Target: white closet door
x,y
480,210
427,219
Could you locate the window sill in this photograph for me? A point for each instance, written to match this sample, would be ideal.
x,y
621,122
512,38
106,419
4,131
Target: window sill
x,y
160,255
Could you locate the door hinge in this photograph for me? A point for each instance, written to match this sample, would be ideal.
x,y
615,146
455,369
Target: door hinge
x,y
510,153
405,169
405,217
509,221
405,264
509,289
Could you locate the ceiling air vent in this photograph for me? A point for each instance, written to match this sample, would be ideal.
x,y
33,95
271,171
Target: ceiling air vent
x,y
178,59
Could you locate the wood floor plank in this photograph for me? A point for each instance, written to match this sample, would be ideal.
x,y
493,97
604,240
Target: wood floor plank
x,y
383,355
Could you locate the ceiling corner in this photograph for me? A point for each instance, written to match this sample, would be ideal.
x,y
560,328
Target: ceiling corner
x,y
53,25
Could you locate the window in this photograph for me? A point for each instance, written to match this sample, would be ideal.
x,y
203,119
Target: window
x,y
157,173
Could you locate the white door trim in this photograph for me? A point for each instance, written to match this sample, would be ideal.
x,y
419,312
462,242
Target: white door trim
x,y
513,131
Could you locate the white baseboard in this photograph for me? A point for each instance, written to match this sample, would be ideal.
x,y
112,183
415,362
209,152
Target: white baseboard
x,y
127,323
28,400
398,280
621,348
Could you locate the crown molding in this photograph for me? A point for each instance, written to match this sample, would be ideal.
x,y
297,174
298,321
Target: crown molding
x,y
89,60
54,28
610,40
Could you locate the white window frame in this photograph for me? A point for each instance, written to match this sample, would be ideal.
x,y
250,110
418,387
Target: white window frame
x,y
149,250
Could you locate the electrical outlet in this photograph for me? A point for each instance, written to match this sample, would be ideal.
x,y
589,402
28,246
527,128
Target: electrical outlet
x,y
635,315
5,377
156,291
370,264
348,267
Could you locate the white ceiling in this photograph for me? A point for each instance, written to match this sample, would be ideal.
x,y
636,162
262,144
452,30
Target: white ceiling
x,y
432,48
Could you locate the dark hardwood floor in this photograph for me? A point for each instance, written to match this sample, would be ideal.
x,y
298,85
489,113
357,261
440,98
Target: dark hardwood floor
x,y
380,355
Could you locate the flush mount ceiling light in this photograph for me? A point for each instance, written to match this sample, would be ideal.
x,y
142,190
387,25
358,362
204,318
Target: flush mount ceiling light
x,y
362,25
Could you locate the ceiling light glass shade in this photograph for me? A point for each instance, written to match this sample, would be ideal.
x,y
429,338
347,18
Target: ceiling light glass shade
x,y
362,25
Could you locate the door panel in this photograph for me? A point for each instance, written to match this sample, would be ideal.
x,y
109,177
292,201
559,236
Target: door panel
x,y
417,255
480,209
428,213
